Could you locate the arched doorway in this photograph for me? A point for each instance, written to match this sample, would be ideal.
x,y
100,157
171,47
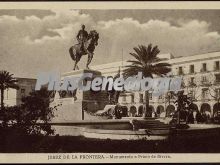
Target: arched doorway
x,y
206,108
170,110
140,110
160,111
133,111
216,109
149,111
124,111
194,108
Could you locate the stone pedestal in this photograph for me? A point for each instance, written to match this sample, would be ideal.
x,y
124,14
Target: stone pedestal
x,y
72,110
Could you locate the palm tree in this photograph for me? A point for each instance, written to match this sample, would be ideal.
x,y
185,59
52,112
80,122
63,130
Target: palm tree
x,y
147,62
6,81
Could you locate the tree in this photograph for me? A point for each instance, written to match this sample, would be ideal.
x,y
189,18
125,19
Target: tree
x,y
6,81
32,117
147,62
213,89
183,103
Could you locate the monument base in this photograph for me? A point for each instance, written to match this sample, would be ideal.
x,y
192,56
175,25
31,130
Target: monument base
x,y
72,109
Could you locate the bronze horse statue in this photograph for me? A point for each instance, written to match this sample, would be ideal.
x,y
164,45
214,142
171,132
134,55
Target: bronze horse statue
x,y
76,53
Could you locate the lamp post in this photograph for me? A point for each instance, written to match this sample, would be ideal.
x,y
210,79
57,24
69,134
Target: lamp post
x,y
167,99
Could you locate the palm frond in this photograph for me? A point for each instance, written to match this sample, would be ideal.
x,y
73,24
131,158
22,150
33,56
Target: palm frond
x,y
7,80
161,71
162,65
147,62
135,62
155,51
139,53
137,57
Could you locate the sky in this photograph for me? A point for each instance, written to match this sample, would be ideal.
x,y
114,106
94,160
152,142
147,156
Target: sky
x,y
34,41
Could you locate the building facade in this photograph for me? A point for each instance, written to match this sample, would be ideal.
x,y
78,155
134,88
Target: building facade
x,y
201,82
13,97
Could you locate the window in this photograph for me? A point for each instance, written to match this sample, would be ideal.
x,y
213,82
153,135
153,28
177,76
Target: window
x,y
204,79
217,67
205,93
124,98
7,94
204,69
192,94
192,83
191,70
132,98
217,78
141,98
150,96
217,93
32,88
172,95
180,70
22,91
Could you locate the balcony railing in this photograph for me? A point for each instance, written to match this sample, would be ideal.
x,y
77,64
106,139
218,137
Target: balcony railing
x,y
141,100
203,70
216,69
206,98
192,84
217,82
205,83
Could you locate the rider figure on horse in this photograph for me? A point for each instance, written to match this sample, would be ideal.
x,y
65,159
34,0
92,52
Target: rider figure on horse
x,y
82,37
85,46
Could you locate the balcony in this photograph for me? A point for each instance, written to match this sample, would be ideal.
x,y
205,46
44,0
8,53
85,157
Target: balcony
x,y
181,74
205,94
192,84
205,99
191,73
217,82
180,71
205,83
193,99
216,69
203,70
170,98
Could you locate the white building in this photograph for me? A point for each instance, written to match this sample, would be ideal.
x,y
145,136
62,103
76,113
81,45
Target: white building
x,y
201,79
13,97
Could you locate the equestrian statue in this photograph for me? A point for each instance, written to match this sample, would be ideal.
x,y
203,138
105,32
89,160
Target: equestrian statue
x,y
85,46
